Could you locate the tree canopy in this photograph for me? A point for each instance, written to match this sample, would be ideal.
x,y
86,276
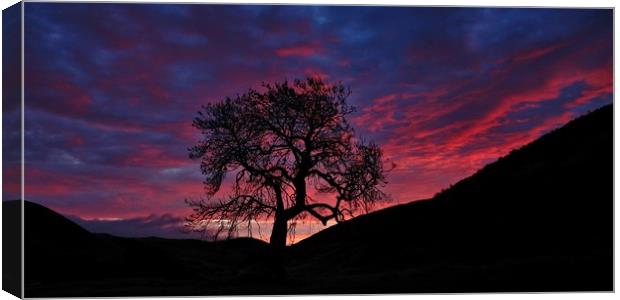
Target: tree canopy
x,y
277,143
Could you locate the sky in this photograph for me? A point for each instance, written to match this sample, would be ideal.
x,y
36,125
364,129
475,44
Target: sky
x,y
111,91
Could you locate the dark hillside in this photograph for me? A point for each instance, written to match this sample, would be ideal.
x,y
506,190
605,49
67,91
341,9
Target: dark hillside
x,y
62,259
539,219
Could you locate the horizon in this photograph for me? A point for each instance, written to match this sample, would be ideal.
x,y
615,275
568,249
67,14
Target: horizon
x,y
443,91
141,227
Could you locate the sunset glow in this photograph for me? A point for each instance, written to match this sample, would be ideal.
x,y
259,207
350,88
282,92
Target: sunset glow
x,y
112,90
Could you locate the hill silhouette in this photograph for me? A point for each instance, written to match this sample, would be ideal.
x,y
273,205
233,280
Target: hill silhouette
x,y
62,259
538,219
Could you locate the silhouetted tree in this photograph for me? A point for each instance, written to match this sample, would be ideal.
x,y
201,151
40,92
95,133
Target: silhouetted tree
x,y
278,143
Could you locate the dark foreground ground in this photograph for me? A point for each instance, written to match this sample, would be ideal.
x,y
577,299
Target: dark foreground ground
x,y
537,220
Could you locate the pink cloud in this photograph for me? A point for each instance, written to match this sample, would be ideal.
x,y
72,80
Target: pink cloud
x,y
302,50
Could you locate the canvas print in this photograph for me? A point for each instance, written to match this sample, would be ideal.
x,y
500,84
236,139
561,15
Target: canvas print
x,y
228,149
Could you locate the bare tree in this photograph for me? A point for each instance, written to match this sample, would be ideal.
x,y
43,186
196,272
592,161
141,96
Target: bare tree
x,y
278,143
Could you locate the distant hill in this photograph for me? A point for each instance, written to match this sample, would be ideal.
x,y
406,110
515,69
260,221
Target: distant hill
x,y
538,219
57,249
62,259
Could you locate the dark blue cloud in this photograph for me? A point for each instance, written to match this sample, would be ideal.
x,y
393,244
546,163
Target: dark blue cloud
x,y
112,88
166,226
11,103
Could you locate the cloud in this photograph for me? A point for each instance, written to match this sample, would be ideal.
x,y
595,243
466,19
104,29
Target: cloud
x,y
167,226
303,50
442,90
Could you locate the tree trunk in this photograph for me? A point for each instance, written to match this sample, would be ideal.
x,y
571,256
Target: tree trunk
x,y
278,246
279,231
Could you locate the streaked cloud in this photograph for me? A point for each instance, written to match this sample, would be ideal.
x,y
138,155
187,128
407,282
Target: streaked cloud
x,y
444,91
